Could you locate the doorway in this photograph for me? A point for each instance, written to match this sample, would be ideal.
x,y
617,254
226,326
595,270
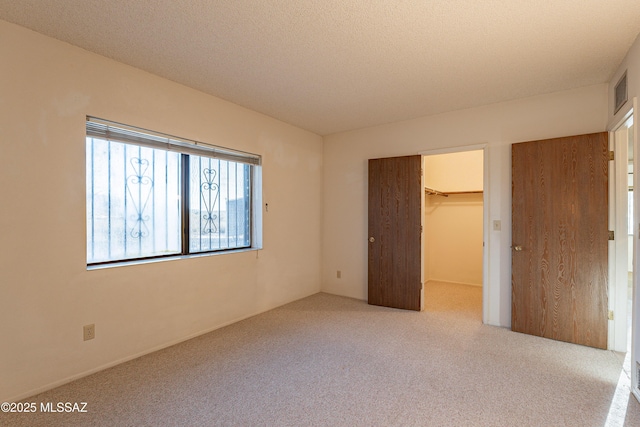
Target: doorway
x,y
623,249
397,241
454,232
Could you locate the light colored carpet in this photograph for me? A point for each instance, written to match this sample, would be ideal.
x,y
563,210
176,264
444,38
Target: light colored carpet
x,y
334,361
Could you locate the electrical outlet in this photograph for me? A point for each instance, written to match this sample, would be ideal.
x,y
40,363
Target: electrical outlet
x,y
89,332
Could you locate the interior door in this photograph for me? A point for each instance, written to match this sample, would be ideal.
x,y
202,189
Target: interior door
x,y
560,239
395,222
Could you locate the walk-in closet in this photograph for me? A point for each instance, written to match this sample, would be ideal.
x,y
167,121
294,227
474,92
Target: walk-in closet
x,y
454,232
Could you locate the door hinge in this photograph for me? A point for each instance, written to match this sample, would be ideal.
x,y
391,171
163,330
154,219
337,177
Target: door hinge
x,y
612,235
612,156
610,315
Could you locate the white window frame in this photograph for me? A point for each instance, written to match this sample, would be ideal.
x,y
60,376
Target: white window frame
x,y
134,136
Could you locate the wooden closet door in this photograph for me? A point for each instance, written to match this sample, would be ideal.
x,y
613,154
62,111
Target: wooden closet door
x,y
560,239
395,222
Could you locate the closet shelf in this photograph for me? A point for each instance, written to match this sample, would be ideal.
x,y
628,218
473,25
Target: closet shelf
x,y
432,192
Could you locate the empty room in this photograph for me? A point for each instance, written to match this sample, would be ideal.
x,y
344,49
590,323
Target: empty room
x,y
237,213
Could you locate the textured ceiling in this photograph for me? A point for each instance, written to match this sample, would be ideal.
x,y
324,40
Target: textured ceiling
x,y
335,65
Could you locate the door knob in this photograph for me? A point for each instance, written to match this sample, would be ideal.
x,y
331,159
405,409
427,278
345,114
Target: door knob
x,y
517,248
371,239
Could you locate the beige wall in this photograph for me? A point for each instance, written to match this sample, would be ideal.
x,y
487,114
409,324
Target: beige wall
x,y
46,89
454,227
454,230
462,171
497,126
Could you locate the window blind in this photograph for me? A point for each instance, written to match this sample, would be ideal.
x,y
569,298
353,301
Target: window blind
x,y
111,131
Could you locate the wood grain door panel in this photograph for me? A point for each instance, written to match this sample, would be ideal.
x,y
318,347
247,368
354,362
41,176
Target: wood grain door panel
x,y
395,212
560,239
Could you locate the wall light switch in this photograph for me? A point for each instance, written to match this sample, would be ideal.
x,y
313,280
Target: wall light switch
x,y
497,225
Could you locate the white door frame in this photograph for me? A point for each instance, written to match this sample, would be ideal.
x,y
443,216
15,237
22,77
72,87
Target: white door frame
x,y
620,323
618,248
635,306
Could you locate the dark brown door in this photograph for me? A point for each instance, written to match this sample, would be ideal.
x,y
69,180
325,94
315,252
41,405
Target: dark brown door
x,y
395,212
560,239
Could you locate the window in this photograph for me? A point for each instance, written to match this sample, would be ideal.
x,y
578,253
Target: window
x,y
151,195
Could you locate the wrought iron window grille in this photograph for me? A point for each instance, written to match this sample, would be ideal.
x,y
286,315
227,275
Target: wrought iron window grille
x,y
145,201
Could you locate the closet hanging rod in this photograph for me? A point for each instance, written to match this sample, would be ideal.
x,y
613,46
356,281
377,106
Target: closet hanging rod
x,y
432,192
464,192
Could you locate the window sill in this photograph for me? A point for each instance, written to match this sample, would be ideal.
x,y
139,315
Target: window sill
x,y
168,258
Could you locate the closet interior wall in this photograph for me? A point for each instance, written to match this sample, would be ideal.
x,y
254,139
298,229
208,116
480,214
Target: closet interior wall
x,y
454,217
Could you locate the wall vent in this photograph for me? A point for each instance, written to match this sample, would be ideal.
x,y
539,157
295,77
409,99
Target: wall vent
x,y
620,93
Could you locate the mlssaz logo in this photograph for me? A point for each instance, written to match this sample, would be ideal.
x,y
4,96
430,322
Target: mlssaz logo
x,y
63,407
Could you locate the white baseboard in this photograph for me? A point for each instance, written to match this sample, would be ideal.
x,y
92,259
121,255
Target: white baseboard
x,y
455,283
86,373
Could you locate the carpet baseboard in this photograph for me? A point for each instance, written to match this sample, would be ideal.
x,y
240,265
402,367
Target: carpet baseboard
x,y
71,378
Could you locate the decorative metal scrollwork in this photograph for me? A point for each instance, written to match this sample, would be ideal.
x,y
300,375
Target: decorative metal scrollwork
x,y
139,187
209,191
